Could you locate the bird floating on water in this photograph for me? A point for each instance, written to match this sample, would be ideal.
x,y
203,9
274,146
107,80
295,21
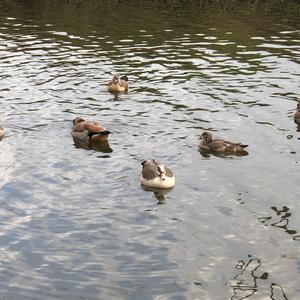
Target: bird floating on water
x,y
219,146
118,84
89,130
156,175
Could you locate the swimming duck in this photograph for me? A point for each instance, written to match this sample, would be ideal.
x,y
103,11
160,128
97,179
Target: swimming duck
x,y
297,114
1,132
156,175
208,144
118,84
89,130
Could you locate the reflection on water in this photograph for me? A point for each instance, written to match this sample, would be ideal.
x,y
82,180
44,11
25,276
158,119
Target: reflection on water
x,y
93,144
277,292
75,225
207,154
159,194
246,283
280,220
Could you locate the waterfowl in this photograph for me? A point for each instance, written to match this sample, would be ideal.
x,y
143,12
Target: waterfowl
x,y
118,84
156,175
89,130
1,132
218,146
297,114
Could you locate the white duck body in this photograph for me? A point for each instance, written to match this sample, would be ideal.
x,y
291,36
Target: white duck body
x,y
156,175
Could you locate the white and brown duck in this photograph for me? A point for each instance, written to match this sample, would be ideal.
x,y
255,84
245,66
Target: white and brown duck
x,y
156,175
89,130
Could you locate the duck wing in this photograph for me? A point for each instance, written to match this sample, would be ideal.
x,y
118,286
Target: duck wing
x,y
217,145
149,170
124,84
95,128
149,173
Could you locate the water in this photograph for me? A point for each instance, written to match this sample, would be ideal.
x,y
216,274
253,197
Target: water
x,y
75,223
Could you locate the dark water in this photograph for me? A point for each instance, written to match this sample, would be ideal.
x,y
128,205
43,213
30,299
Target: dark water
x,y
75,223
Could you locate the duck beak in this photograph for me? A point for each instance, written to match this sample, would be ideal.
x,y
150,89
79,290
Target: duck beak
x,y
163,176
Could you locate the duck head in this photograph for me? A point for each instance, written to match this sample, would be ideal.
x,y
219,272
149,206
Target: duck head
x,y
116,79
78,120
206,136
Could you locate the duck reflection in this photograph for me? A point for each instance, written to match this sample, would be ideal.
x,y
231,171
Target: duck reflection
x,y
245,283
279,220
277,292
159,194
94,144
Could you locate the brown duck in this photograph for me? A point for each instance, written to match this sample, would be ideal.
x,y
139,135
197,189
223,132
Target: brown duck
x,y
218,146
297,114
118,84
89,130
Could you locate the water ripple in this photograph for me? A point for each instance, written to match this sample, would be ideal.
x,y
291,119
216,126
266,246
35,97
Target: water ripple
x,y
75,222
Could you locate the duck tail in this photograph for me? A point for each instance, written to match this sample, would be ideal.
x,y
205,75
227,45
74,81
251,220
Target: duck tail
x,y
124,77
104,132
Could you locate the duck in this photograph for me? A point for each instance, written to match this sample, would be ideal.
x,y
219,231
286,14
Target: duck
x,y
297,114
89,130
156,175
118,84
1,132
219,146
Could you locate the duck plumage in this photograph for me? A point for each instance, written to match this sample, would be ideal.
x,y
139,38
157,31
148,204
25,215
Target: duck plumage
x,y
297,114
156,175
118,84
88,130
208,144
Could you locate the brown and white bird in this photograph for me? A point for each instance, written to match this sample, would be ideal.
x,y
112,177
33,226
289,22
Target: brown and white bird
x,y
297,114
118,84
89,130
1,132
156,175
219,146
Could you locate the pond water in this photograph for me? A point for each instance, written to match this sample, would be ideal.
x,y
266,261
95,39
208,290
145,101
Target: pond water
x,y
75,222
